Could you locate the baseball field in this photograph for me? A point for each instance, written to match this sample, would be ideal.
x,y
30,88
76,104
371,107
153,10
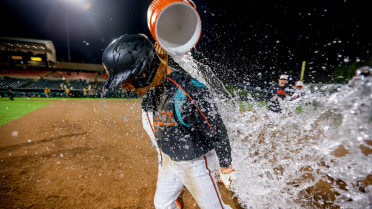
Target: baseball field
x,y
80,154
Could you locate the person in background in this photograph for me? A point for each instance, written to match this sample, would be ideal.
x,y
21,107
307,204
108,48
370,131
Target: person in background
x,y
11,93
279,91
362,92
47,92
298,90
362,72
67,92
186,127
299,85
85,91
127,94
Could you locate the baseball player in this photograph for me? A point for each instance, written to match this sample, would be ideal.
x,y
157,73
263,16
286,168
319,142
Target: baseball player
x,y
298,91
184,126
280,91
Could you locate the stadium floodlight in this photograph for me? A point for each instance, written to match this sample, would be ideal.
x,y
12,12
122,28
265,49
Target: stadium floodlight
x,y
73,4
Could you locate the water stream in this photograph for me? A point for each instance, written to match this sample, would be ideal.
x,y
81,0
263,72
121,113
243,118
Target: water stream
x,y
320,157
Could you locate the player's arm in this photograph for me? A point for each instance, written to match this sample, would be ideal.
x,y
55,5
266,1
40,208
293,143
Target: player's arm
x,y
148,117
209,123
147,123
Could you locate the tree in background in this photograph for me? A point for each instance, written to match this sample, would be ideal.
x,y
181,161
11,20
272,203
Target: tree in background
x,y
344,72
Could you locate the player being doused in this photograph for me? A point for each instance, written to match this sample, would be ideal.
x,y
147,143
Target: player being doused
x,y
183,124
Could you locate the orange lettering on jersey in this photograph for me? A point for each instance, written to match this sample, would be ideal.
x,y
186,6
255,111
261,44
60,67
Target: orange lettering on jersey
x,y
280,91
164,119
169,115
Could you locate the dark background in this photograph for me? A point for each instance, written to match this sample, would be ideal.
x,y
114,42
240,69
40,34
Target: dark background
x,y
251,41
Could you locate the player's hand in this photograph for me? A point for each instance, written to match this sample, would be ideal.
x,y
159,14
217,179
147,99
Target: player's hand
x,y
227,175
163,55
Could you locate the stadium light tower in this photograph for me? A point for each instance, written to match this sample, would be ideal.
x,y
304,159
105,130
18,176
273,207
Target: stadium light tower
x,y
67,36
70,4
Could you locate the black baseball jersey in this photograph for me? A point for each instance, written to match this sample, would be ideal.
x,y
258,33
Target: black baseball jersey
x,y
280,92
186,123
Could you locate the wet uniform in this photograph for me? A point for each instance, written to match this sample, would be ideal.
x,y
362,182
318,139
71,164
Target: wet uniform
x,y
276,90
190,137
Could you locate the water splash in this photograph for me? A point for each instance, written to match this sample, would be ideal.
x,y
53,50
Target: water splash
x,y
320,157
204,74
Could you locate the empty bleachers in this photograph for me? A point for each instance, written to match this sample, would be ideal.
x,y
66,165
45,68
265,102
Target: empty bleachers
x,y
15,82
31,83
50,84
78,84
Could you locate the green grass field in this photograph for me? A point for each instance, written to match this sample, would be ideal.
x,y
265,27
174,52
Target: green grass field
x,y
11,110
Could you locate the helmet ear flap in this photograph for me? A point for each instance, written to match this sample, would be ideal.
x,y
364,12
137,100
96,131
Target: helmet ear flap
x,y
148,68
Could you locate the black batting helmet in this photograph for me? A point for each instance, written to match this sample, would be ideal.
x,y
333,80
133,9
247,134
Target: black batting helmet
x,y
130,55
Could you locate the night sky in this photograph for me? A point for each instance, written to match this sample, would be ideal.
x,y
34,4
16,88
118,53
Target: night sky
x,y
252,41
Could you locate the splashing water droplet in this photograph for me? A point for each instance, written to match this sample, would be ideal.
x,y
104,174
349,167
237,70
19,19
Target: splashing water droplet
x,y
281,159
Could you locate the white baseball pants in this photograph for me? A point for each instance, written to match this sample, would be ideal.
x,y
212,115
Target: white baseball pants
x,y
196,175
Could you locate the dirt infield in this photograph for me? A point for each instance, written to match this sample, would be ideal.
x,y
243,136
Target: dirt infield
x,y
81,154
